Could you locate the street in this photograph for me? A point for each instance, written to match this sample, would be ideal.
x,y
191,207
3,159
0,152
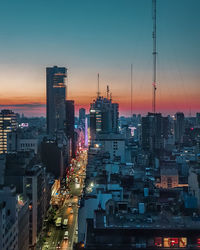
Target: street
x,y
68,208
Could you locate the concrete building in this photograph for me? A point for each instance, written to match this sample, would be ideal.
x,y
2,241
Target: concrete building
x,y
194,182
104,116
23,223
169,177
21,140
8,123
152,132
8,219
2,168
69,125
56,95
114,144
82,116
179,127
34,189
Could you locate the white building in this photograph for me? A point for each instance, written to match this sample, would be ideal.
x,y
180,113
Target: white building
x,y
114,144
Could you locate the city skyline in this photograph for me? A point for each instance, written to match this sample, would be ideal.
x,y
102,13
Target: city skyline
x,y
91,37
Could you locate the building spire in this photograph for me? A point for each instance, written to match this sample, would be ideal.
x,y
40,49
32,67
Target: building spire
x,y
98,92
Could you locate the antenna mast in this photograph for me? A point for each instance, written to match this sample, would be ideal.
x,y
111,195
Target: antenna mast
x,y
131,89
107,91
98,92
154,56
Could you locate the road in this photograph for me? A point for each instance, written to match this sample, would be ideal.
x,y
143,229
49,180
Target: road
x,y
69,208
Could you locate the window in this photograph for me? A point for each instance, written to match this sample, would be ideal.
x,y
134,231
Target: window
x,y
169,182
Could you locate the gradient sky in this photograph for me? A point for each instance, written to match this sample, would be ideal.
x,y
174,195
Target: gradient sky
x,y
105,36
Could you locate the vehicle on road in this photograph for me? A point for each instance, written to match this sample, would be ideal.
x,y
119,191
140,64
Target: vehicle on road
x,y
71,212
70,204
76,233
46,245
49,234
58,222
66,235
58,246
64,224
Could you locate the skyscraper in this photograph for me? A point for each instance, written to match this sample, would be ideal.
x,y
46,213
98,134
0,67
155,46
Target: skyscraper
x,y
69,124
152,132
8,123
56,95
82,116
179,127
104,116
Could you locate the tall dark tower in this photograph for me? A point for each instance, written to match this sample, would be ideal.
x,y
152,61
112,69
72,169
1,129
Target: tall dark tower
x,y
56,95
82,116
179,127
69,124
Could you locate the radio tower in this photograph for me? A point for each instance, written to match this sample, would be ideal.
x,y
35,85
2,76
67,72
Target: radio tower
x,y
154,56
98,91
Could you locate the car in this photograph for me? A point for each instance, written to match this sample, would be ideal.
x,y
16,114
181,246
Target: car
x,y
76,233
58,245
70,204
71,212
66,235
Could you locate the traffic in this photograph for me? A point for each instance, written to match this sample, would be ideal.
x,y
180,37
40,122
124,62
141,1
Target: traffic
x,y
61,225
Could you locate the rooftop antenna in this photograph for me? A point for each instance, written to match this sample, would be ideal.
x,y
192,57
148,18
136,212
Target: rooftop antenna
x,y
98,92
131,89
154,56
107,91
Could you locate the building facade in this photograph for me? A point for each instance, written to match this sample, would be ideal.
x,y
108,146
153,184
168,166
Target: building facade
x,y
8,123
56,95
104,116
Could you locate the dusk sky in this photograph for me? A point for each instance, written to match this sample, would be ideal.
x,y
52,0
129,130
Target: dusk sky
x,y
105,36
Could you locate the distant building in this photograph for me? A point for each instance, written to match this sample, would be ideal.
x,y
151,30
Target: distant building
x,y
82,116
169,177
8,123
114,144
152,132
198,119
194,182
20,140
53,156
179,127
69,124
104,116
56,95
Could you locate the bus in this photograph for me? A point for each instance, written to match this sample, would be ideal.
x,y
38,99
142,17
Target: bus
x,y
65,222
58,222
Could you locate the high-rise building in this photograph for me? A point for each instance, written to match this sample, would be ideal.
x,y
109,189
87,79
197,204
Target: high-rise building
x,y
69,124
82,116
8,123
152,132
56,95
34,189
104,116
179,127
198,119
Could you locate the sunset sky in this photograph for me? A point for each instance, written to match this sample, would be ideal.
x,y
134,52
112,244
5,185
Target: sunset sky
x,y
105,36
